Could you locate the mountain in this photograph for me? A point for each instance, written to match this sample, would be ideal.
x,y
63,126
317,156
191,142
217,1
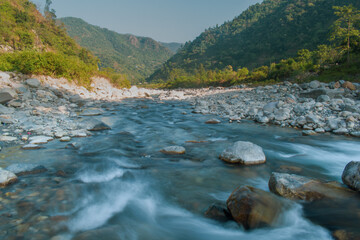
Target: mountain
x,y
34,44
263,34
173,46
138,57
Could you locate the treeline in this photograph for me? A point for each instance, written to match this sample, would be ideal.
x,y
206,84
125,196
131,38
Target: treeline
x,y
34,44
338,59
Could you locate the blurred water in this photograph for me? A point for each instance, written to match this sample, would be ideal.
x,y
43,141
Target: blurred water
x,y
119,184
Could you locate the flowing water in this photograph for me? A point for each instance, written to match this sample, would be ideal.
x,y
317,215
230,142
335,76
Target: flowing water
x,y
119,186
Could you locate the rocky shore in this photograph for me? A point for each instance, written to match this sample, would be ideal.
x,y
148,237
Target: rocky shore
x,y
312,107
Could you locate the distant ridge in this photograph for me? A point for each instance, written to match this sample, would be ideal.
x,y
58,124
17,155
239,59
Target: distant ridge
x,y
138,57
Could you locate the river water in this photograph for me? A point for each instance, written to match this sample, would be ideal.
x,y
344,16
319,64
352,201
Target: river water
x,y
119,186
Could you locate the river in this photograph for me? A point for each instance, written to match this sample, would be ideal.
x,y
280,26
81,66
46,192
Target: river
x,y
119,186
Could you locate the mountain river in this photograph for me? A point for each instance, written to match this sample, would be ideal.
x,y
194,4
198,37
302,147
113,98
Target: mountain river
x,y
118,185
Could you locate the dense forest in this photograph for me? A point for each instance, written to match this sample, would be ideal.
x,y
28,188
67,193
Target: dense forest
x,y
32,43
264,34
137,57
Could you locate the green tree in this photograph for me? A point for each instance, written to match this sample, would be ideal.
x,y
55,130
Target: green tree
x,y
345,27
49,12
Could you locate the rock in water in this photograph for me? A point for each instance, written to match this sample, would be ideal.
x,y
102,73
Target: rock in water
x,y
253,208
91,112
7,178
34,83
245,153
213,121
40,140
31,147
174,150
302,188
218,213
96,125
21,169
351,176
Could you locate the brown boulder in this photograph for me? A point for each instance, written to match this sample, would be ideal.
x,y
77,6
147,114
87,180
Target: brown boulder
x,y
253,208
349,86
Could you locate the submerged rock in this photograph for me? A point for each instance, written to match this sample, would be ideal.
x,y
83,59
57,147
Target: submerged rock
x,y
173,150
91,112
253,208
21,169
7,178
96,125
351,175
245,153
108,233
297,187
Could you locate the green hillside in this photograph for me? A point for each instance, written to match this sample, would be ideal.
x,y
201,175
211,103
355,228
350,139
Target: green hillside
x,y
33,44
261,35
138,57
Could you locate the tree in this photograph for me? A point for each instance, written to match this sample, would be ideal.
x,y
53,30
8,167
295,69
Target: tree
x,y
345,27
49,12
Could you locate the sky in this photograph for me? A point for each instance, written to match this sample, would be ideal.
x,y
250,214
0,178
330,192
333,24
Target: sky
x,y
162,20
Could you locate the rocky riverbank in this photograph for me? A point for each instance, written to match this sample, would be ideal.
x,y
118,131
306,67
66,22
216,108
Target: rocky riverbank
x,y
313,107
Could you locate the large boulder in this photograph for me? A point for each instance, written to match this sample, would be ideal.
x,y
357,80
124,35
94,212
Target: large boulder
x,y
34,83
351,176
6,178
253,208
349,85
173,150
296,187
282,114
245,153
21,169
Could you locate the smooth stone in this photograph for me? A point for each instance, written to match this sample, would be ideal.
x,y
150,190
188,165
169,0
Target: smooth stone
x,y
253,208
341,131
34,83
65,139
213,121
31,147
349,85
173,150
7,178
74,146
351,175
40,140
21,169
309,133
7,139
245,153
6,110
297,187
91,112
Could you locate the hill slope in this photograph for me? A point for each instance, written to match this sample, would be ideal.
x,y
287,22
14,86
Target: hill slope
x,y
265,33
138,57
173,46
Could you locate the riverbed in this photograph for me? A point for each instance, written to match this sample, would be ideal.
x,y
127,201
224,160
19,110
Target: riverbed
x,y
117,185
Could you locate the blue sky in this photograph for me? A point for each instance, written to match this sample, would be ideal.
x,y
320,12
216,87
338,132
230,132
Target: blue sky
x,y
163,20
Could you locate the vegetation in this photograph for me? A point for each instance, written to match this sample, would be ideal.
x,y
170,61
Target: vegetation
x,y
33,44
137,57
260,36
330,62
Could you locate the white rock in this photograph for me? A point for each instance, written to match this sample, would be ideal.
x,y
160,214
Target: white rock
x,y
7,139
34,83
7,178
245,153
173,150
40,140
31,147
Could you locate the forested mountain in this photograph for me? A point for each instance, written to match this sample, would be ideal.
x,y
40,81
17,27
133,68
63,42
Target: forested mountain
x,y
138,57
261,35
